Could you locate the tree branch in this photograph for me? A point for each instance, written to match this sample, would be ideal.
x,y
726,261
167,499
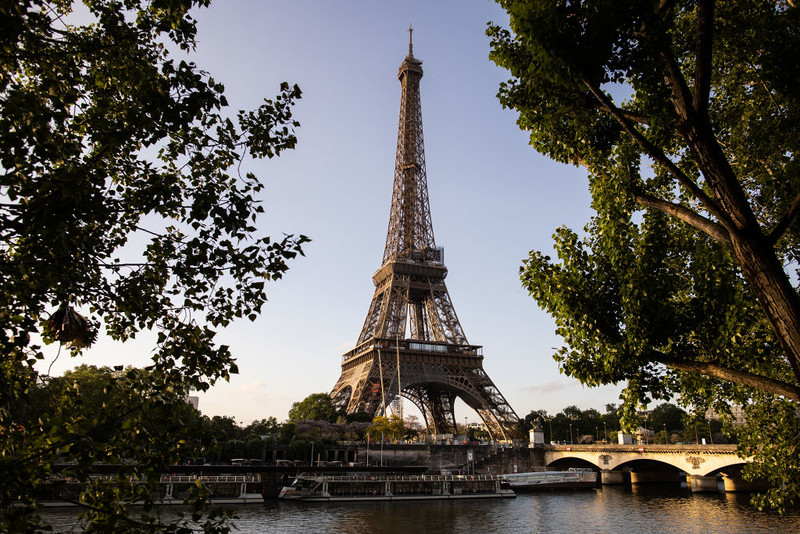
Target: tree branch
x,y
699,135
632,116
665,8
682,97
713,229
769,385
704,46
785,221
656,153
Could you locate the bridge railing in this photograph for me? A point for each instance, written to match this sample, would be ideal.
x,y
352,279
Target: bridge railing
x,y
655,448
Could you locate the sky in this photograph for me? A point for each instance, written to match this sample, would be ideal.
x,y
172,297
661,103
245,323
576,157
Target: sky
x,y
492,197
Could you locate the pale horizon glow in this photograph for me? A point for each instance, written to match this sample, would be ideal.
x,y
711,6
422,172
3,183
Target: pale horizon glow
x,y
492,197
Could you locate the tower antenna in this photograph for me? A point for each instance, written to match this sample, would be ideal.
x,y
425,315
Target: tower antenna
x,y
410,45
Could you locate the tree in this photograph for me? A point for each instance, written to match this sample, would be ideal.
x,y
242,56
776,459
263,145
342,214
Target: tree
x,y
315,407
666,416
129,418
414,429
225,427
685,115
118,210
263,427
392,428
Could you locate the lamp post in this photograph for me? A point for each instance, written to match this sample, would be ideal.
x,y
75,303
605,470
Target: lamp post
x,y
605,433
570,433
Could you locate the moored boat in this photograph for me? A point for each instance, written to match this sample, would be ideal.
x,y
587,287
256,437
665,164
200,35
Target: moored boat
x,y
223,489
394,487
574,478
172,489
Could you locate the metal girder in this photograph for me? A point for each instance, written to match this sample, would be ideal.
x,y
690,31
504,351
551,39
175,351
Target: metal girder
x,y
432,376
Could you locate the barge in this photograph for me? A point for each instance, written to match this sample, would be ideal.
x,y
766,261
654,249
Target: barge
x,y
333,488
574,478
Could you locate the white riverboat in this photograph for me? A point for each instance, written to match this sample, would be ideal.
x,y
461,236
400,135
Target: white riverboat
x,y
223,489
173,489
574,478
381,487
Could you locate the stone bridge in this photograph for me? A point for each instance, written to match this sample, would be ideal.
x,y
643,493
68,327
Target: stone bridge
x,y
655,463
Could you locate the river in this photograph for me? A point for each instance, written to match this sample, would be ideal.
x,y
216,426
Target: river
x,y
612,509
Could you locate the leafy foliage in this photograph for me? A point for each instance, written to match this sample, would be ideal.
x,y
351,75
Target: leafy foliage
x,y
667,416
134,420
323,432
315,407
774,440
685,116
118,210
387,428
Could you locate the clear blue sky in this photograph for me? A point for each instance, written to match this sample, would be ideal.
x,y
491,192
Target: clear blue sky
x,y
492,197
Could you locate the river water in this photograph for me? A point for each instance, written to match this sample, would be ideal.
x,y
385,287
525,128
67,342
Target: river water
x,y
612,509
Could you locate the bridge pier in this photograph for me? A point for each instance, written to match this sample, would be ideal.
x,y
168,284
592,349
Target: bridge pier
x,y
735,483
608,477
650,476
699,484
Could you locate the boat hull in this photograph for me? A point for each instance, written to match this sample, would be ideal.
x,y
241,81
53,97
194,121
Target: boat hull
x,y
574,479
523,488
502,494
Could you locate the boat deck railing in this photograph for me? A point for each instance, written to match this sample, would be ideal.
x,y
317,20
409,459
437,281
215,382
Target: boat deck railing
x,y
209,478
400,478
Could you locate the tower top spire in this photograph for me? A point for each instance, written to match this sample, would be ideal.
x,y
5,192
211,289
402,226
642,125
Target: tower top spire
x,y
410,43
410,230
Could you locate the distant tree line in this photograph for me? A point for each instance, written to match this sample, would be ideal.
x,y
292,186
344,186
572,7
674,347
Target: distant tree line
x,y
666,423
102,404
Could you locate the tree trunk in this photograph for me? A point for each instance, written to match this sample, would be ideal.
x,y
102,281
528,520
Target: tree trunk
x,y
774,292
753,250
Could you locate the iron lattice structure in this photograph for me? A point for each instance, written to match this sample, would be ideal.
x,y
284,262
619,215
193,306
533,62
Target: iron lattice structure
x,y
412,344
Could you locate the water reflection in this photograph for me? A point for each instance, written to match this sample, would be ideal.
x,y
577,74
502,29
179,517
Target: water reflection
x,y
612,509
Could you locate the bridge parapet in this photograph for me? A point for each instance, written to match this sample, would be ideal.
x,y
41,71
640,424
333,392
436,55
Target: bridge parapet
x,y
672,448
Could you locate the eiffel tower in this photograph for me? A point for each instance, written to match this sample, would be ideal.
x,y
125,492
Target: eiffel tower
x,y
412,344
